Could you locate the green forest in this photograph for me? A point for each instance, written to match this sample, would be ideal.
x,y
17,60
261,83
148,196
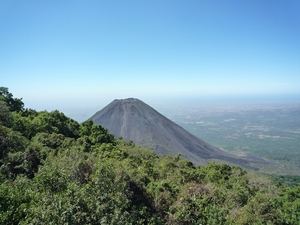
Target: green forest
x,y
54,170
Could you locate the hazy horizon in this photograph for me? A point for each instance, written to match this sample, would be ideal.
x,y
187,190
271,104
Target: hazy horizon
x,y
167,105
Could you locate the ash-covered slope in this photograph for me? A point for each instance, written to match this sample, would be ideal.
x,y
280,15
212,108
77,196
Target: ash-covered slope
x,y
134,120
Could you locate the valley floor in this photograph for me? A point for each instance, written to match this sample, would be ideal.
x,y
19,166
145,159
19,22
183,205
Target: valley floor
x,y
267,130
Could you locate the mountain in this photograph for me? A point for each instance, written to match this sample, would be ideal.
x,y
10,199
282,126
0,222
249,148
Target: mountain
x,y
134,120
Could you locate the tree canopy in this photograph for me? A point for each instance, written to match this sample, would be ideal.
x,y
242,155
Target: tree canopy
x,y
14,104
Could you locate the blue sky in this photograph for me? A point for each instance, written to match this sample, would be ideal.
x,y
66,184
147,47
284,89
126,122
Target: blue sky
x,y
80,55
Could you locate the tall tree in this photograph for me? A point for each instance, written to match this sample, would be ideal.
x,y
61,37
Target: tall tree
x,y
14,104
5,114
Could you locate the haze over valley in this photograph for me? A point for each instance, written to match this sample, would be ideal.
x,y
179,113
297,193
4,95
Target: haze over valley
x,y
269,129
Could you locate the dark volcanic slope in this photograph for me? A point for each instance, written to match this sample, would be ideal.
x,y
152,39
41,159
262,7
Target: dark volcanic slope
x,y
134,120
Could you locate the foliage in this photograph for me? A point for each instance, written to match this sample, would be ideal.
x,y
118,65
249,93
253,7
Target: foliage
x,y
14,104
286,180
5,114
56,171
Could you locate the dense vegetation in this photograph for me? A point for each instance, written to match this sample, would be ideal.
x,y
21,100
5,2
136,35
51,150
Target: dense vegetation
x,y
54,170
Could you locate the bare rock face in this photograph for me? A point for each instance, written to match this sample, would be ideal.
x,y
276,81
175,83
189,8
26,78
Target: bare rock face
x,y
134,120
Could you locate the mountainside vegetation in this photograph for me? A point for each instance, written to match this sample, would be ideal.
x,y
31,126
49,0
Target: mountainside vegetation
x,y
54,170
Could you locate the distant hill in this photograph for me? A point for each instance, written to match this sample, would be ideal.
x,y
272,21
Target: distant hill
x,y
134,120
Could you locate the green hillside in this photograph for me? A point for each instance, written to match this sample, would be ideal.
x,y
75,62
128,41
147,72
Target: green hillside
x,y
54,170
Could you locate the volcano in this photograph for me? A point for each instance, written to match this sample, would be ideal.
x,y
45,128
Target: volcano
x,y
136,121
